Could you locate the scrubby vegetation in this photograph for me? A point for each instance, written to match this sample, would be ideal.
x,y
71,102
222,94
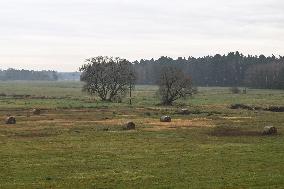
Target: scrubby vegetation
x,y
173,85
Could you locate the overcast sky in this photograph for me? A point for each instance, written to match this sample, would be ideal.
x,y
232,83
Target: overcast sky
x,y
60,34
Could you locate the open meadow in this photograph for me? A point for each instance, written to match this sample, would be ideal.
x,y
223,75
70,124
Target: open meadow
x,y
79,142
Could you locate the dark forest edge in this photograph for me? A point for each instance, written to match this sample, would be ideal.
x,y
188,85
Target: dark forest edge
x,y
230,70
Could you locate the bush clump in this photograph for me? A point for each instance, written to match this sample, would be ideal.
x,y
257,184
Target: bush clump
x,y
235,90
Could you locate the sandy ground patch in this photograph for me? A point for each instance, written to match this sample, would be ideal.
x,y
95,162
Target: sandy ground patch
x,y
236,118
178,123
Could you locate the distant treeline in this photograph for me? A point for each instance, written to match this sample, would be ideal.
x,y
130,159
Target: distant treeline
x,y
14,74
69,76
233,69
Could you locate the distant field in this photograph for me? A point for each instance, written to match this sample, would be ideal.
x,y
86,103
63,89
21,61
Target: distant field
x,y
41,88
78,141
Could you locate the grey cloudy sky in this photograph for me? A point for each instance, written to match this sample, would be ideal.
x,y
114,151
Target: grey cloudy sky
x,y
60,34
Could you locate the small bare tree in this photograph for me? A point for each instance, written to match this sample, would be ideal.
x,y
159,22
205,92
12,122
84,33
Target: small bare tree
x,y
173,85
107,77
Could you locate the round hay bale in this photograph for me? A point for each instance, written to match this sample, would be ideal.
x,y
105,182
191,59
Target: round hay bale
x,y
129,126
36,111
269,130
10,120
165,119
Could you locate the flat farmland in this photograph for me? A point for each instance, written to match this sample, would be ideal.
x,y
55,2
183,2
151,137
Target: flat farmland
x,y
78,141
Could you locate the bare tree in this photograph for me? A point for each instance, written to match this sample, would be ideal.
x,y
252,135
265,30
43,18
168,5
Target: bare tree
x,y
173,85
107,77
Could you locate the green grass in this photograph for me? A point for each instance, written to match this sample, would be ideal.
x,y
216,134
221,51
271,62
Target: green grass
x,y
66,146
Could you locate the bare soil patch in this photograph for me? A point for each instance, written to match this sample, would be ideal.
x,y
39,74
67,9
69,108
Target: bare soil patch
x,y
178,123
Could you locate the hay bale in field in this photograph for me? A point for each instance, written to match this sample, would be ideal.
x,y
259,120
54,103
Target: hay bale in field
x,y
269,130
10,120
36,111
129,126
165,119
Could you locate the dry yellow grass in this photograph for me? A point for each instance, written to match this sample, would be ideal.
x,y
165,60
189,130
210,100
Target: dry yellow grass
x,y
155,124
232,118
87,117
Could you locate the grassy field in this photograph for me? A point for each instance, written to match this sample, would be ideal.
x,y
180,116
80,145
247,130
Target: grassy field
x,y
78,141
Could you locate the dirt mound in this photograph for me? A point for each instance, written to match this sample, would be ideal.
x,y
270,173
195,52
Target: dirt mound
x,y
243,106
275,109
249,107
